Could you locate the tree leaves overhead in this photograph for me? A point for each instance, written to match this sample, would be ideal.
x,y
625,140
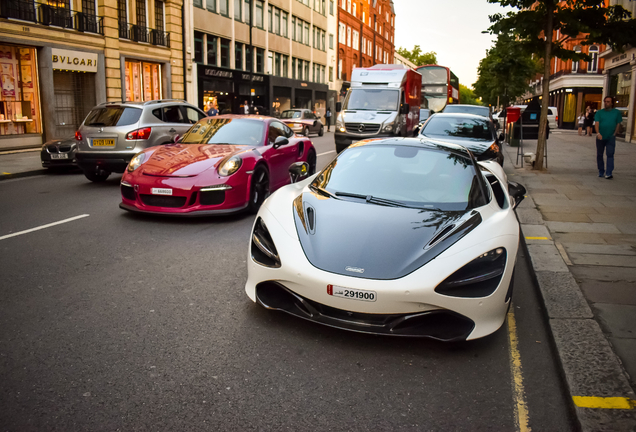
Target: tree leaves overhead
x,y
418,57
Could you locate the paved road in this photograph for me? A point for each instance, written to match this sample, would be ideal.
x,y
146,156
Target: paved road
x,y
116,321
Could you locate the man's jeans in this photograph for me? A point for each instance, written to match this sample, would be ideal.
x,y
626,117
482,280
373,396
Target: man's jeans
x,y
601,145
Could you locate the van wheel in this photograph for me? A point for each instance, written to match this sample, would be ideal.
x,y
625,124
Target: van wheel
x,y
97,176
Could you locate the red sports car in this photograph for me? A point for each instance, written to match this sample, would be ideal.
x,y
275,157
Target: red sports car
x,y
223,164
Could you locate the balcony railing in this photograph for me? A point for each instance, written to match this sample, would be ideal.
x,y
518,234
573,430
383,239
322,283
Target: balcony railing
x,y
137,33
51,16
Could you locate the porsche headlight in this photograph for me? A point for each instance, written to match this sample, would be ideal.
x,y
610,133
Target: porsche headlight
x,y
230,166
136,162
262,248
478,278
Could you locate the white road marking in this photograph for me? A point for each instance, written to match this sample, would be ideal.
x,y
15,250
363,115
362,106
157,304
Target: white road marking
x,y
326,153
43,226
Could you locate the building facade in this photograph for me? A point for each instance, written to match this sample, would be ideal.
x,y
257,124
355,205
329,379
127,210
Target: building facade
x,y
283,65
618,83
61,58
365,37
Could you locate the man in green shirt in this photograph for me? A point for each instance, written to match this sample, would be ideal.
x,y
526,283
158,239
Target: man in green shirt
x,y
607,122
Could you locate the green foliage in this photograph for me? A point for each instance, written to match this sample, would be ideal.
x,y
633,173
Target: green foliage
x,y
467,96
505,72
418,57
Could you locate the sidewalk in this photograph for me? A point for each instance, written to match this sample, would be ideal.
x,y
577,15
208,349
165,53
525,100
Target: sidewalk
x,y
581,235
20,163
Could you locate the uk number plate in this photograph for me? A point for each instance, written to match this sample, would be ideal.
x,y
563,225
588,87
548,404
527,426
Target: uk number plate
x,y
59,156
351,293
103,143
161,191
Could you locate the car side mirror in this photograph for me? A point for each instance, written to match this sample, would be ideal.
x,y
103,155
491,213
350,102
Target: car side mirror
x,y
517,192
280,141
338,107
298,170
404,108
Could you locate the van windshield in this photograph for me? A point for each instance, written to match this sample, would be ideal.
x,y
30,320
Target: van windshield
x,y
372,100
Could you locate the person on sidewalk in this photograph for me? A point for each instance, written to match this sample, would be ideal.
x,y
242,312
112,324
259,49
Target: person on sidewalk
x,y
581,122
608,122
328,118
589,121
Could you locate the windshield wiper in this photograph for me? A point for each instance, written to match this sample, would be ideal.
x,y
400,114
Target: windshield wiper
x,y
373,200
321,191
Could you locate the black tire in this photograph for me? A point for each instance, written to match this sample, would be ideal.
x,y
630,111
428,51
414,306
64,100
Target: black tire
x,y
341,147
306,131
321,132
311,160
97,176
259,189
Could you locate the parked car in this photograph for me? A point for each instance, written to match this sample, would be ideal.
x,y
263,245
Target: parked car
x,y
303,122
113,133
224,164
476,133
59,153
431,253
424,115
483,111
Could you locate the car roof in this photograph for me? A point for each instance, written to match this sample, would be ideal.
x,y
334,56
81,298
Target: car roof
x,y
466,115
425,142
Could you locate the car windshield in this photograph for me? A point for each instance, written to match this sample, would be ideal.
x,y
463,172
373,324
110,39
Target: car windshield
x,y
113,116
226,131
459,127
417,177
290,114
477,110
375,100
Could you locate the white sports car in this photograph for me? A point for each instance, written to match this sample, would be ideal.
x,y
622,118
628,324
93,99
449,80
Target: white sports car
x,y
400,236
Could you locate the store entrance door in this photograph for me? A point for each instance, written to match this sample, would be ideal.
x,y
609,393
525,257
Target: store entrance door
x,y
74,98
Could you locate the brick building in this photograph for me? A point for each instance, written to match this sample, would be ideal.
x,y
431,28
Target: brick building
x,y
365,36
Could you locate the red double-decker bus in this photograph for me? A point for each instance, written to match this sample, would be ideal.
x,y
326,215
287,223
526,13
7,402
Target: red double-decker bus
x,y
440,87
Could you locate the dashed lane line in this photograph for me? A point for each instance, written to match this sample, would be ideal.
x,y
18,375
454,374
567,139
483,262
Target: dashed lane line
x,y
521,407
326,153
43,226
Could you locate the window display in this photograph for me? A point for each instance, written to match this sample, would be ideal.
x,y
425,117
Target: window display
x,y
19,98
143,81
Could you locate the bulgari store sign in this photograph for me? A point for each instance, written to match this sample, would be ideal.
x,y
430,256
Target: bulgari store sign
x,y
76,61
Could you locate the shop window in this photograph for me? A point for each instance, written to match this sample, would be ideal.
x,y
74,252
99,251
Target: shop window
x,y
260,60
198,47
238,56
210,5
224,7
258,15
19,97
592,66
569,109
211,49
237,10
225,53
143,81
74,98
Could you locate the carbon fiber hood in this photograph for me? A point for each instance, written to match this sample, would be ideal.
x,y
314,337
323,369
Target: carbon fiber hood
x,y
372,241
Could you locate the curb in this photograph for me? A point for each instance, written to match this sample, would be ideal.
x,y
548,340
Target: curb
x,y
601,394
31,173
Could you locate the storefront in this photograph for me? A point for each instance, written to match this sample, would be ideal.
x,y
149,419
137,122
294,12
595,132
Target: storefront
x,y
620,83
228,90
287,93
143,80
620,68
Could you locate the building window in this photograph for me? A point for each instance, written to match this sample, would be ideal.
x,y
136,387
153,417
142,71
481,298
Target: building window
x,y
348,36
293,28
364,17
354,9
356,39
270,19
299,33
198,47
285,66
88,7
260,60
141,13
258,15
159,26
237,10
300,69
342,34
249,59
277,63
121,12
349,6
224,7
331,7
270,63
211,48
277,21
198,3
339,68
575,63
330,73
210,5
592,66
225,53
238,56
330,41
322,74
284,16
293,65
246,11
306,71
143,81
307,40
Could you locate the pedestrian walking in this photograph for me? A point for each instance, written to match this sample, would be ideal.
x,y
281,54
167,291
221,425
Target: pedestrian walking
x,y
589,121
246,108
608,121
581,122
212,111
328,118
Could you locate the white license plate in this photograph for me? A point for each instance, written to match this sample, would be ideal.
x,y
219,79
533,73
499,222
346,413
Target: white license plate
x,y
59,156
161,191
350,293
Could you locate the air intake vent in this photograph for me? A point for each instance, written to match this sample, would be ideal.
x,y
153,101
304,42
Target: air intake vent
x,y
311,219
441,235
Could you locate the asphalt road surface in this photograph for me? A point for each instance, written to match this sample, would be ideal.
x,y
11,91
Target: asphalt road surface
x,y
115,321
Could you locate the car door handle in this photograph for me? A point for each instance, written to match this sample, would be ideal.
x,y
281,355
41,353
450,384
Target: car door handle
x,y
172,130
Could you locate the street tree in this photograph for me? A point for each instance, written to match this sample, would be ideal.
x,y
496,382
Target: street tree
x,y
535,19
467,96
418,57
504,73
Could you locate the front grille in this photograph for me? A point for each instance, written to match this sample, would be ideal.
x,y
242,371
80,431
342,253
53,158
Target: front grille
x,y
369,128
52,149
66,148
212,197
163,201
128,192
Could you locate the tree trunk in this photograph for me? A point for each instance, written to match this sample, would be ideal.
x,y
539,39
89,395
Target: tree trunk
x,y
545,98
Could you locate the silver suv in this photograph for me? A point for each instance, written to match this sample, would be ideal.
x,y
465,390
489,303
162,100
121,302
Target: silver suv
x,y
113,133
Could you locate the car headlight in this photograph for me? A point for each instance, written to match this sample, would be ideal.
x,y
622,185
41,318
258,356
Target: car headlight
x,y
340,126
388,127
136,162
230,166
262,249
478,278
